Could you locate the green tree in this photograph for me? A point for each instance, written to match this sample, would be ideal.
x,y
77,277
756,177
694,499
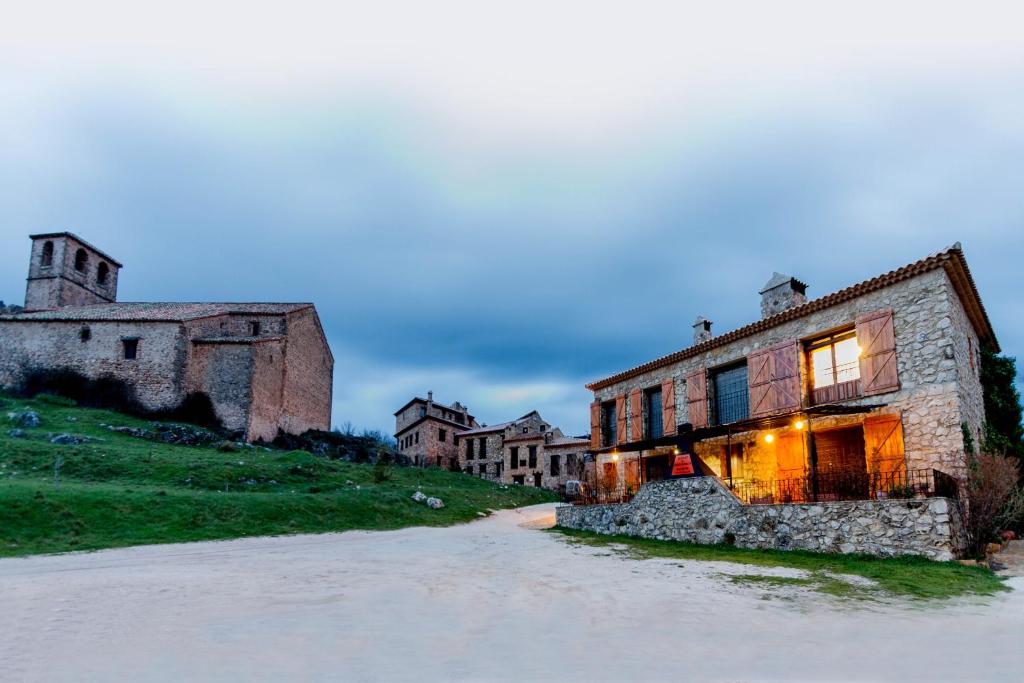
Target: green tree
x,y
1004,431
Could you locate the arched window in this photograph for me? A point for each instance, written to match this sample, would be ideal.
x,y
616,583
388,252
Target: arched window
x,y
102,272
47,254
81,260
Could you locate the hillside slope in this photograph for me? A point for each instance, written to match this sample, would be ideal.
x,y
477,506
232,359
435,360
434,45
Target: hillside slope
x,y
116,489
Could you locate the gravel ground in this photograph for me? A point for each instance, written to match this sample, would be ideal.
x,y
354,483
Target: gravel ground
x,y
492,600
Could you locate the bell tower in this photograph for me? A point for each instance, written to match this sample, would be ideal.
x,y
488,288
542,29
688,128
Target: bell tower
x,y
65,270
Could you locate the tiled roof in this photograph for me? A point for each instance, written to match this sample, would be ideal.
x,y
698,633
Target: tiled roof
x,y
951,259
567,441
485,430
155,312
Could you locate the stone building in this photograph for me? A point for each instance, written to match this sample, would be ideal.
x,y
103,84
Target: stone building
x,y
264,366
426,431
525,451
869,392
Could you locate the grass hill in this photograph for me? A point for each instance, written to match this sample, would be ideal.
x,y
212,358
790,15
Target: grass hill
x,y
99,487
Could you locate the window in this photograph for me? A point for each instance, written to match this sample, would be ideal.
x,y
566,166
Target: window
x,y
131,348
417,435
835,368
482,468
731,394
85,334
469,449
519,479
556,465
533,456
608,424
483,447
423,411
102,272
81,260
526,430
47,254
254,328
442,435
653,428
513,458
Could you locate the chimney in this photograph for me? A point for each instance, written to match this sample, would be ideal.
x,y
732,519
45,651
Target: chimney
x,y
430,397
781,293
701,330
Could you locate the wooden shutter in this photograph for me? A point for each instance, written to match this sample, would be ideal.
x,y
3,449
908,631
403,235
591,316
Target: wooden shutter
x,y
877,340
883,446
773,378
668,407
636,409
759,383
697,398
595,425
620,419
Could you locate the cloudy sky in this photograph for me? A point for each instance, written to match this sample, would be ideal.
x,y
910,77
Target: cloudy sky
x,y
502,201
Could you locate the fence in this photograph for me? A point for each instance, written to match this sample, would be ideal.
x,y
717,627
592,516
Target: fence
x,y
819,487
848,485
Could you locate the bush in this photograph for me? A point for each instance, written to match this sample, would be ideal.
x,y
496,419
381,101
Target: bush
x,y
994,499
381,472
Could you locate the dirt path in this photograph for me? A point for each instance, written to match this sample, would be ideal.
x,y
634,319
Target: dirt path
x,y
492,600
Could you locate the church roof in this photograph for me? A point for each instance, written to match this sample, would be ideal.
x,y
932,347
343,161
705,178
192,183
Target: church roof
x,y
155,312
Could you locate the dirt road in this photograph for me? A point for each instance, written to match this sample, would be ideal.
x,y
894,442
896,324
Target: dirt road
x,y
492,600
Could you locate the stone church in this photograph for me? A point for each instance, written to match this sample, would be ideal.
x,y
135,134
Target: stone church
x,y
264,366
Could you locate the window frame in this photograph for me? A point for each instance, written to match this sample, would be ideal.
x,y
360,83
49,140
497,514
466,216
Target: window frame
x,y
651,413
837,391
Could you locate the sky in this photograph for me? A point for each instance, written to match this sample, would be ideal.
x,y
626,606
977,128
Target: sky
x,y
500,202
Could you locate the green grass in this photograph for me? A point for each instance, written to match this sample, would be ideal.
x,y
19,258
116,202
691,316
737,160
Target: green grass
x,y
910,577
123,490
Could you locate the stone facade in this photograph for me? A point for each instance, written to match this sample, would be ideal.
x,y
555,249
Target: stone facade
x,y
939,327
702,510
265,367
426,431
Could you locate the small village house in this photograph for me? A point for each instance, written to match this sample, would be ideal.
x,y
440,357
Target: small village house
x,y
527,451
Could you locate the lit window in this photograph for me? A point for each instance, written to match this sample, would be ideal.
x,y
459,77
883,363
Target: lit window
x,y
836,362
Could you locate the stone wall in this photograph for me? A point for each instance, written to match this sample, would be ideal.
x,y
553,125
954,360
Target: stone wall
x,y
702,510
929,325
157,374
309,375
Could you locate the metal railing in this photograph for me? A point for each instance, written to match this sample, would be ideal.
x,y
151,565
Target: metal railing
x,y
816,488
847,485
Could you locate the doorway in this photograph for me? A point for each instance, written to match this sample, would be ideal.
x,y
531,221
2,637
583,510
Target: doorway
x,y
537,476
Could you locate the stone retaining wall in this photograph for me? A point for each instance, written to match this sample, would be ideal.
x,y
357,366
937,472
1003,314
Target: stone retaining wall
x,y
703,510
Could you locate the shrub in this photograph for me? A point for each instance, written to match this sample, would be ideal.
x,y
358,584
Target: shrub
x,y
381,472
994,498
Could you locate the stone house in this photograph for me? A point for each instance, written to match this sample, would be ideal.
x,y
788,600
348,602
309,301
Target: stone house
x,y
426,431
868,392
526,451
264,366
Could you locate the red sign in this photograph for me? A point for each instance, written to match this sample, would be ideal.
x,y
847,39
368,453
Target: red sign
x,y
682,466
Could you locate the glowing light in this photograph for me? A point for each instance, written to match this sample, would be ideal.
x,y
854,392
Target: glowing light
x,y
768,438
675,451
799,424
615,457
